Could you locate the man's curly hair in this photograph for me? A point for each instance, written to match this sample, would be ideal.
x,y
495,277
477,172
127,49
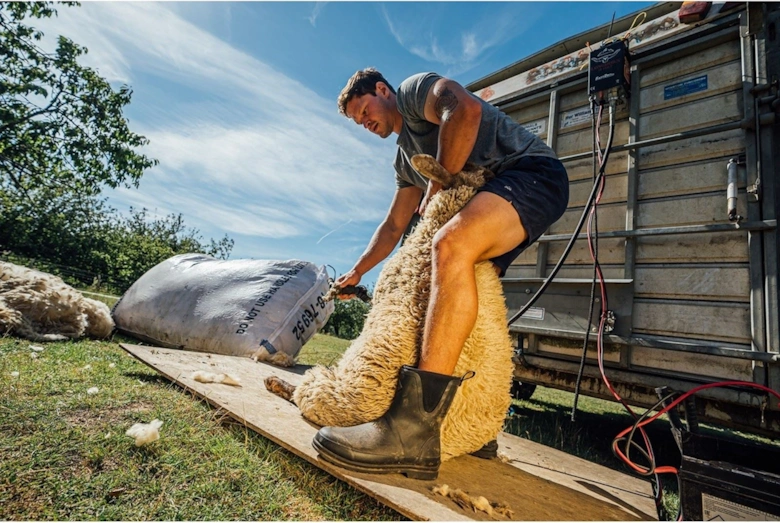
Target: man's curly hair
x,y
360,83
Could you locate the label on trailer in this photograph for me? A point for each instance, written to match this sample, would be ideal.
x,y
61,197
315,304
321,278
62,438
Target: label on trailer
x,y
718,509
575,117
533,313
537,127
694,85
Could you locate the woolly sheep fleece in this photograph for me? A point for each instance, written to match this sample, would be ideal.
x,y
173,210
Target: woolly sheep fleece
x,y
41,307
362,385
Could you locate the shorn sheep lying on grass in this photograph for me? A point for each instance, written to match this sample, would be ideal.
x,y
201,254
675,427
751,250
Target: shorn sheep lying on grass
x,y
41,307
362,385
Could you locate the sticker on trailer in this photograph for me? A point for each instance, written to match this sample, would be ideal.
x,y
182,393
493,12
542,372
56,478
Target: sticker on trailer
x,y
694,85
718,509
575,117
538,127
533,313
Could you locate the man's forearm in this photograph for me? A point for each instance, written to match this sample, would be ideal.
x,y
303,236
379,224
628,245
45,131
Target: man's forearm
x,y
382,243
458,114
457,136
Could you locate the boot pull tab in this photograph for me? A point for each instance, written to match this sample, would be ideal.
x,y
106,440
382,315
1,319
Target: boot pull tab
x,y
470,374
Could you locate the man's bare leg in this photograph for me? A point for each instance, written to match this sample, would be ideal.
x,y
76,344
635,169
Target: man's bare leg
x,y
406,438
487,227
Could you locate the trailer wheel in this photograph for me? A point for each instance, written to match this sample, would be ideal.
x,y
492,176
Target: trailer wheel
x,y
522,391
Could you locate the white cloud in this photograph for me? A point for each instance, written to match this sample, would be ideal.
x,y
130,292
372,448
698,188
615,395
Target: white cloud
x,y
318,7
433,37
242,148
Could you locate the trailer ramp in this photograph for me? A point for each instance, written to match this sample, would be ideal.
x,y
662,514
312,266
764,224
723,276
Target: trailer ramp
x,y
535,481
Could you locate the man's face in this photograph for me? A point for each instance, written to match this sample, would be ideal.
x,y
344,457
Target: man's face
x,y
375,113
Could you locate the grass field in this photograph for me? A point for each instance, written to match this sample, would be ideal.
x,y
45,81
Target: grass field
x,y
65,455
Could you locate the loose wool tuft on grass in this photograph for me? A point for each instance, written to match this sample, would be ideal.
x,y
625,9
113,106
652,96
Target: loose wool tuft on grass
x,y
145,432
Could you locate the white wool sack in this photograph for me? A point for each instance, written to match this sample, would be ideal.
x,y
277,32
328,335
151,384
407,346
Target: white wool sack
x,y
258,308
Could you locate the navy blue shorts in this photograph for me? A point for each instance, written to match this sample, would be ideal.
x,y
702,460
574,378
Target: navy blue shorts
x,y
538,189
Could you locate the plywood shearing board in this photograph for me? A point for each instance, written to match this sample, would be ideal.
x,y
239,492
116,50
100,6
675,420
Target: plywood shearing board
x,y
536,482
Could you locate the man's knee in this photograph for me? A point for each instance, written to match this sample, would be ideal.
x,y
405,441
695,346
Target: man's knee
x,y
443,246
449,249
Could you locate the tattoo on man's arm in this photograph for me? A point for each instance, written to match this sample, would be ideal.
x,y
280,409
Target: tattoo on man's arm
x,y
445,103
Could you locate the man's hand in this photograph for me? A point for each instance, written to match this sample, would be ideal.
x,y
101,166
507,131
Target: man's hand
x,y
433,188
352,277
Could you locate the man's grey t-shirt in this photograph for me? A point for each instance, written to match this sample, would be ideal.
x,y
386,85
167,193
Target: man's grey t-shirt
x,y
500,142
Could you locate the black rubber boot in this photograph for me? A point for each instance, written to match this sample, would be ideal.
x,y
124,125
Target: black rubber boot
x,y
407,439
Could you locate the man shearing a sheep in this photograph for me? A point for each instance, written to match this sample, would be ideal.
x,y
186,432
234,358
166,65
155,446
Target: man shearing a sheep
x,y
437,116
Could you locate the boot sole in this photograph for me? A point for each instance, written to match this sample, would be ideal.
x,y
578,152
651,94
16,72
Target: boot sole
x,y
413,472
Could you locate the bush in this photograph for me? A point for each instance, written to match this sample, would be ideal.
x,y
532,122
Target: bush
x,y
347,320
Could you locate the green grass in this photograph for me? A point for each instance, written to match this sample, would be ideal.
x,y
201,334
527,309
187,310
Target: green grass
x,y
105,298
65,455
322,350
546,418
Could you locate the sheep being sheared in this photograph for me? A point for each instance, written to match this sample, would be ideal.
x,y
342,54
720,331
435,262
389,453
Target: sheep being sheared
x,y
362,385
41,307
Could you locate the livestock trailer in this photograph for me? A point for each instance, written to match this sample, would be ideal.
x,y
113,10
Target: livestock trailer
x,y
687,231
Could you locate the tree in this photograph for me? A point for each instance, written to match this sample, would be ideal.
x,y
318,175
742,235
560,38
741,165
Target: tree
x,y
138,243
63,138
347,319
58,225
61,124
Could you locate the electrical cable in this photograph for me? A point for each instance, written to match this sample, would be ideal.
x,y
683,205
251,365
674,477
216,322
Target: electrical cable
x,y
573,239
656,481
595,122
681,398
644,420
630,443
591,234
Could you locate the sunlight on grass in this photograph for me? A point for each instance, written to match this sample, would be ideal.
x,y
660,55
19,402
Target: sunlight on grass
x,y
105,298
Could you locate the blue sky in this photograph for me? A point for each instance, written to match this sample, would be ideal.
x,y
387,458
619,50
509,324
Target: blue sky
x,y
238,100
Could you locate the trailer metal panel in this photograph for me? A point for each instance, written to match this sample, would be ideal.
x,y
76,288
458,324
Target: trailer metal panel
x,y
725,247
771,207
695,295
707,176
703,282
